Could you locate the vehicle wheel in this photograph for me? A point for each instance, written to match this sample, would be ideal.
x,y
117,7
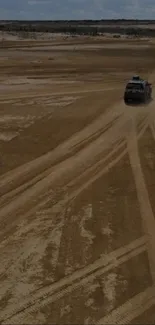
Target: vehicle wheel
x,y
126,101
145,99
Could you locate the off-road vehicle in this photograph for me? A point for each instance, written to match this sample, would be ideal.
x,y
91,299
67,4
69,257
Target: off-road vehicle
x,y
137,90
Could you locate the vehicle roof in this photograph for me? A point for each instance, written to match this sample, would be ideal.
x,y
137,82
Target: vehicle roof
x,y
141,81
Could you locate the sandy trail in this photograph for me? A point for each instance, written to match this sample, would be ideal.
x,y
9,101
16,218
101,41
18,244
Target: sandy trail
x,y
14,192
144,202
71,167
65,172
97,129
60,93
69,148
73,189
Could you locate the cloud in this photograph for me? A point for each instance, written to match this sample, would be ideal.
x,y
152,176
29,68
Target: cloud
x,y
77,9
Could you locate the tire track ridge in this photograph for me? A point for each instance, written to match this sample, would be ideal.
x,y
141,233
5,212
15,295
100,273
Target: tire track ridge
x,y
142,194
65,170
39,95
134,307
72,196
63,151
69,283
75,150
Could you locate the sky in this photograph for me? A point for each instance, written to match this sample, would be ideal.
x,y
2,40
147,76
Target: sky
x,y
76,9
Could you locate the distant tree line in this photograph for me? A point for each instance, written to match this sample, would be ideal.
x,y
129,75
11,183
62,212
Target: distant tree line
x,y
81,22
85,27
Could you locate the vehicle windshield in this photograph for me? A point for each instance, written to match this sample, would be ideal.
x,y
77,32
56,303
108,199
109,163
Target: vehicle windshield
x,y
134,86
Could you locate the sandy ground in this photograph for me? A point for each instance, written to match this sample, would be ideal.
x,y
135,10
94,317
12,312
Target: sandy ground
x,y
77,171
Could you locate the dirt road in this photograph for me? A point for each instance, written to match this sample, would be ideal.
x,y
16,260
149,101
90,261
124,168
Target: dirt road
x,y
77,223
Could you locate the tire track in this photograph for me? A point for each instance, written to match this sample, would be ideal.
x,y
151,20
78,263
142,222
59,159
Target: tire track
x,y
27,171
143,197
131,309
101,161
103,169
64,172
75,149
120,135
77,279
24,173
60,294
107,168
87,155
74,188
70,168
118,132
98,170
39,95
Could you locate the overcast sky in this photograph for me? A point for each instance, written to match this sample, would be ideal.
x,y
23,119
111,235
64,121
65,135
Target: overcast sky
x,y
77,9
